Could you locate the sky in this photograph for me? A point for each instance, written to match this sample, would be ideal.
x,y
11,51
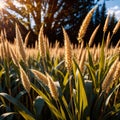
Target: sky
x,y
113,6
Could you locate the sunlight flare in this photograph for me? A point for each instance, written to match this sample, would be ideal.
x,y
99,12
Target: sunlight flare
x,y
2,4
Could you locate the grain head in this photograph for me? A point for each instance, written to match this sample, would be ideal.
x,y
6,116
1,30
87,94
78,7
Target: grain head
x,y
40,76
85,24
24,79
68,51
53,89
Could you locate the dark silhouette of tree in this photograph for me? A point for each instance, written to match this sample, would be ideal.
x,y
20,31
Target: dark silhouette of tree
x,y
97,16
112,23
103,13
6,24
100,17
69,15
31,14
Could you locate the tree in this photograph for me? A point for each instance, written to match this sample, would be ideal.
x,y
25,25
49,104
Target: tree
x,y
97,16
113,21
103,12
31,14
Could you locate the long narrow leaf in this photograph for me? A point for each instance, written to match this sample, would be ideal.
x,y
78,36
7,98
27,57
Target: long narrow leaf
x,y
81,97
20,107
101,62
92,74
5,115
110,95
49,103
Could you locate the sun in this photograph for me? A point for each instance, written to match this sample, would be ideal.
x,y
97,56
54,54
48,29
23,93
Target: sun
x,y
2,4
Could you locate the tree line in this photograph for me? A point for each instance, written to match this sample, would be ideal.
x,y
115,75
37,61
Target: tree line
x,y
30,15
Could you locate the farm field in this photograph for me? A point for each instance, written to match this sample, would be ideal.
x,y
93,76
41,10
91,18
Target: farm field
x,y
79,82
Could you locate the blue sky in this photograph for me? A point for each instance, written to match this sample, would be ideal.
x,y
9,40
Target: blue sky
x,y
113,6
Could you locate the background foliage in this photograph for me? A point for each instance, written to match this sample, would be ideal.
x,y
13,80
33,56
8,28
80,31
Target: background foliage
x,y
31,14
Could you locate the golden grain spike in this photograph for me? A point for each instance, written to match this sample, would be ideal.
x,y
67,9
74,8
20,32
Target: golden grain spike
x,y
108,40
3,40
24,79
46,44
36,44
93,35
41,43
84,26
81,64
117,72
14,57
106,23
116,49
118,44
68,52
53,89
26,39
116,76
56,48
109,77
40,76
8,51
117,26
1,52
20,45
81,50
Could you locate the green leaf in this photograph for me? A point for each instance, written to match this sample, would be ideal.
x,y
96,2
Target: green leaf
x,y
5,115
81,97
20,94
60,64
117,107
67,108
74,67
1,71
61,73
54,110
90,59
56,62
38,105
93,77
111,93
20,107
65,81
62,111
101,63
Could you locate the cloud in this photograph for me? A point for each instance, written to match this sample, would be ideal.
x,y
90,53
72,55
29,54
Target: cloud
x,y
115,9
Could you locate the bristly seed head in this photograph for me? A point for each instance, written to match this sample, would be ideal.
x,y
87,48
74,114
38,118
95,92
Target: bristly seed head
x,y
25,80
93,36
41,43
106,23
20,45
117,26
68,52
84,26
53,89
40,76
109,77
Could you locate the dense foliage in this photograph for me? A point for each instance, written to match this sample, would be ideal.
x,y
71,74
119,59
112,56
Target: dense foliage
x,y
60,83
